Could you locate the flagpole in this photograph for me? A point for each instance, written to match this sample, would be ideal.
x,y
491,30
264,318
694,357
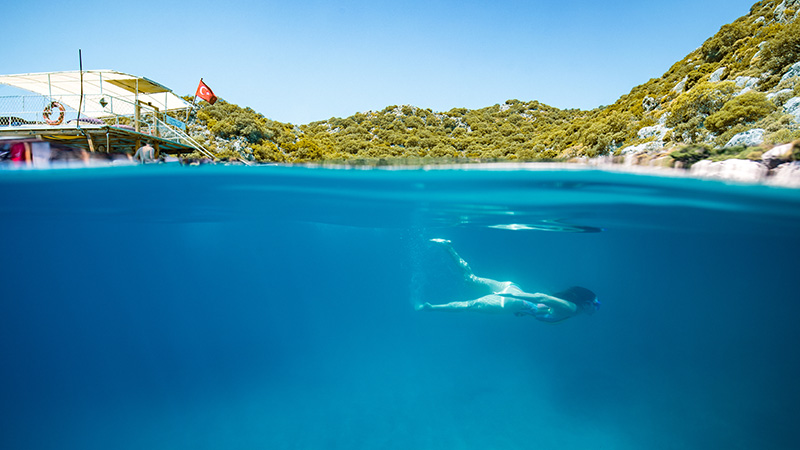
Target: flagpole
x,y
194,100
80,100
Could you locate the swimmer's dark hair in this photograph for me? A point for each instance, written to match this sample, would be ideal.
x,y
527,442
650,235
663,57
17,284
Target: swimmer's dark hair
x,y
580,296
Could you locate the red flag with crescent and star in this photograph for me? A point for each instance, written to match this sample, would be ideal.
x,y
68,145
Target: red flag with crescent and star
x,y
204,92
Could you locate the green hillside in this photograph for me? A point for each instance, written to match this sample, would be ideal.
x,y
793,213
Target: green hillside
x,y
738,80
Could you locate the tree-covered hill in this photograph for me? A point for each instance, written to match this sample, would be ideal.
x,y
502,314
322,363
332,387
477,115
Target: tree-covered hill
x,y
744,78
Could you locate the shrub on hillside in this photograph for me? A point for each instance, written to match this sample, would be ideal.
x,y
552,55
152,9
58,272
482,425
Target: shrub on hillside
x,y
736,152
705,99
722,43
746,108
227,120
304,150
268,152
782,136
691,154
780,51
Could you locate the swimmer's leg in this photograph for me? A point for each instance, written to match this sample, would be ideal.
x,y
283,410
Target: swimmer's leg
x,y
452,306
489,304
494,285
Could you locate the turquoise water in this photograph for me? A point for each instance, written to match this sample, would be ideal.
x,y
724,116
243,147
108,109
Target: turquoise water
x,y
226,307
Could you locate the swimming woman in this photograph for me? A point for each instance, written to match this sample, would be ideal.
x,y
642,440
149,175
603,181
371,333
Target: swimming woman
x,y
507,297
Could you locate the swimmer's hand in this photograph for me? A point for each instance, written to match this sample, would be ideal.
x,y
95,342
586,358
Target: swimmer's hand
x,y
423,307
441,241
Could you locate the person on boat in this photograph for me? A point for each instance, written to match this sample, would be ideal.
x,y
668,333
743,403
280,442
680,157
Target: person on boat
x,y
20,153
508,298
145,154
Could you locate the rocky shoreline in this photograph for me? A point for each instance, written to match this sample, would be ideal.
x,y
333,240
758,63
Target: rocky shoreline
x,y
777,166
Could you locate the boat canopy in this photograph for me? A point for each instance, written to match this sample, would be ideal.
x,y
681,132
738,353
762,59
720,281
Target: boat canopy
x,y
100,89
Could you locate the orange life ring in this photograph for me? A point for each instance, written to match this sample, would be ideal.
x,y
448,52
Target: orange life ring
x,y
49,110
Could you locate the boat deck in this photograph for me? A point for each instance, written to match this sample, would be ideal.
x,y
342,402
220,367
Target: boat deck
x,y
95,137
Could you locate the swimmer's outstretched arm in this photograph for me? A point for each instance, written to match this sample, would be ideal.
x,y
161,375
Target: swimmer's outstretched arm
x,y
494,285
548,300
545,306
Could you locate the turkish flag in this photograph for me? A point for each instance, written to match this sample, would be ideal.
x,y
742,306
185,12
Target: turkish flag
x,y
204,92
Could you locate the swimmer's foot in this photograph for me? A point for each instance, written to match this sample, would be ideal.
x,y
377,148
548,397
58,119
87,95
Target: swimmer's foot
x,y
441,241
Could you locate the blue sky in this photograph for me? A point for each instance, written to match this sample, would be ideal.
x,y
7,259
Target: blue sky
x,y
303,61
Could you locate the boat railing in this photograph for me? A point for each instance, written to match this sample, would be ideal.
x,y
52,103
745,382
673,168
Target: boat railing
x,y
165,131
29,109
24,110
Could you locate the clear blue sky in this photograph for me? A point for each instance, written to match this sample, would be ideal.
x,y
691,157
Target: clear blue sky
x,y
301,61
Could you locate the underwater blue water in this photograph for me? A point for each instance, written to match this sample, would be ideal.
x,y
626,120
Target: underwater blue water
x,y
166,307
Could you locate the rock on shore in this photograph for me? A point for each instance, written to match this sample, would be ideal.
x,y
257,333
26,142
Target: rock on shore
x,y
740,170
786,175
777,166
